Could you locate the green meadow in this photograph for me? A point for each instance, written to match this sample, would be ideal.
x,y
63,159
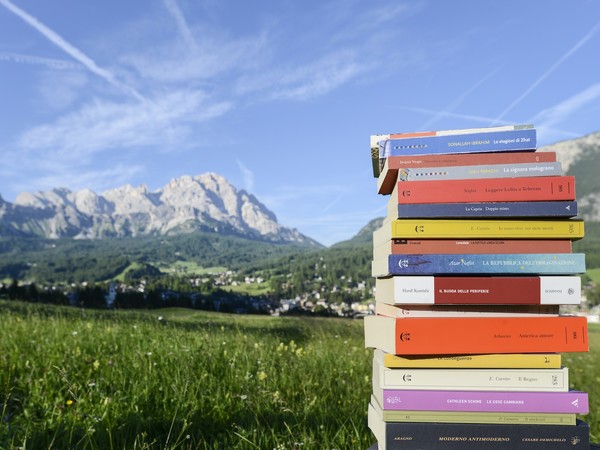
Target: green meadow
x,y
182,379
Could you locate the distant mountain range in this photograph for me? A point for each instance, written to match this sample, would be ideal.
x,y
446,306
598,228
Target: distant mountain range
x,y
206,202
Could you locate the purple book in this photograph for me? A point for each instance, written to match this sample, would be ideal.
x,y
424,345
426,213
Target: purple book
x,y
575,402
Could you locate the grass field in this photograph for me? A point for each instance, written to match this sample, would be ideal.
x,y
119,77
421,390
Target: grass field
x,y
181,379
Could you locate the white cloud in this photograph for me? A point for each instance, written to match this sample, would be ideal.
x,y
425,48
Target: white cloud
x,y
70,49
182,26
50,63
101,126
247,176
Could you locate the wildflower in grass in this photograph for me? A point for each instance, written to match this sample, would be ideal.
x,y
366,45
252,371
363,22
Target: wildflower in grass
x,y
74,333
262,376
69,402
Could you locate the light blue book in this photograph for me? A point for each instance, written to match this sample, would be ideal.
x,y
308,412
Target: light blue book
x,y
496,264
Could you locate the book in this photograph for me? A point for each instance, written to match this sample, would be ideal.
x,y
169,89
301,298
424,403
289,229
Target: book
x,y
530,380
391,165
473,140
465,335
549,209
572,229
516,189
471,246
486,360
481,171
495,264
464,417
479,290
574,402
405,311
417,435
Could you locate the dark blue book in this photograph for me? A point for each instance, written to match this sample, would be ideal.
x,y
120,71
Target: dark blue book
x,y
488,264
523,139
489,209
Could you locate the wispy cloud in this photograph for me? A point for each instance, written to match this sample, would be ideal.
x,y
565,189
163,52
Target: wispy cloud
x,y
548,72
306,81
51,63
457,102
70,49
549,117
103,126
247,176
182,25
96,180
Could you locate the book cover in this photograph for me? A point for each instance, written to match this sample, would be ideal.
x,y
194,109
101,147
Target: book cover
x,y
405,311
463,417
487,190
530,380
481,210
480,436
389,173
487,360
466,335
471,246
494,264
572,229
377,153
479,290
573,402
481,171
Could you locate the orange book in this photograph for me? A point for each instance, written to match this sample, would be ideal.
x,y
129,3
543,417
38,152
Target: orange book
x,y
389,174
471,246
472,335
561,187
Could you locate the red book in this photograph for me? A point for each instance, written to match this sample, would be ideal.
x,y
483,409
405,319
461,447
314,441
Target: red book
x,y
479,290
471,246
487,190
389,174
471,335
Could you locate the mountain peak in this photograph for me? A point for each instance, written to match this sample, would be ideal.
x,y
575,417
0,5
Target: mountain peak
x,y
203,202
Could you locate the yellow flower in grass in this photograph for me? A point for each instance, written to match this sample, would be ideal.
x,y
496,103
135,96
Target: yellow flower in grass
x,y
69,402
262,376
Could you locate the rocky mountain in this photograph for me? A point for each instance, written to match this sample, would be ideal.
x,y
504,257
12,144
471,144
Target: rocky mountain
x,y
206,202
581,158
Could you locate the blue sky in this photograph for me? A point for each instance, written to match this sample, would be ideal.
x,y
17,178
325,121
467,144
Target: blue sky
x,y
279,97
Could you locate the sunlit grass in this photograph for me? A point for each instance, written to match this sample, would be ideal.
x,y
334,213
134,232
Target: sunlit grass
x,y
181,379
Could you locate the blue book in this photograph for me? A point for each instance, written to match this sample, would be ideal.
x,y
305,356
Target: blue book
x,y
503,264
486,209
524,139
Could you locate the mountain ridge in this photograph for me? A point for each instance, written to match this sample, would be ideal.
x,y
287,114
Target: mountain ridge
x,y
206,202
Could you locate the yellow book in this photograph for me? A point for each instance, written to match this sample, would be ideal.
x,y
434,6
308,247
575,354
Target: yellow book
x,y
496,361
479,228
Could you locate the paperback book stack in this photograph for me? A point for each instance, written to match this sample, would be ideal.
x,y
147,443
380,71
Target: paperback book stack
x,y
472,265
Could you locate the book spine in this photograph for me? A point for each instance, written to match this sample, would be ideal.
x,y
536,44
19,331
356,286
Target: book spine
x,y
574,402
531,380
498,361
488,190
420,336
486,209
509,264
490,290
389,174
484,228
391,310
497,141
481,171
480,436
472,246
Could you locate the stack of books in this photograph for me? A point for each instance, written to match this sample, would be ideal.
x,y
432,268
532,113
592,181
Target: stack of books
x,y
472,264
